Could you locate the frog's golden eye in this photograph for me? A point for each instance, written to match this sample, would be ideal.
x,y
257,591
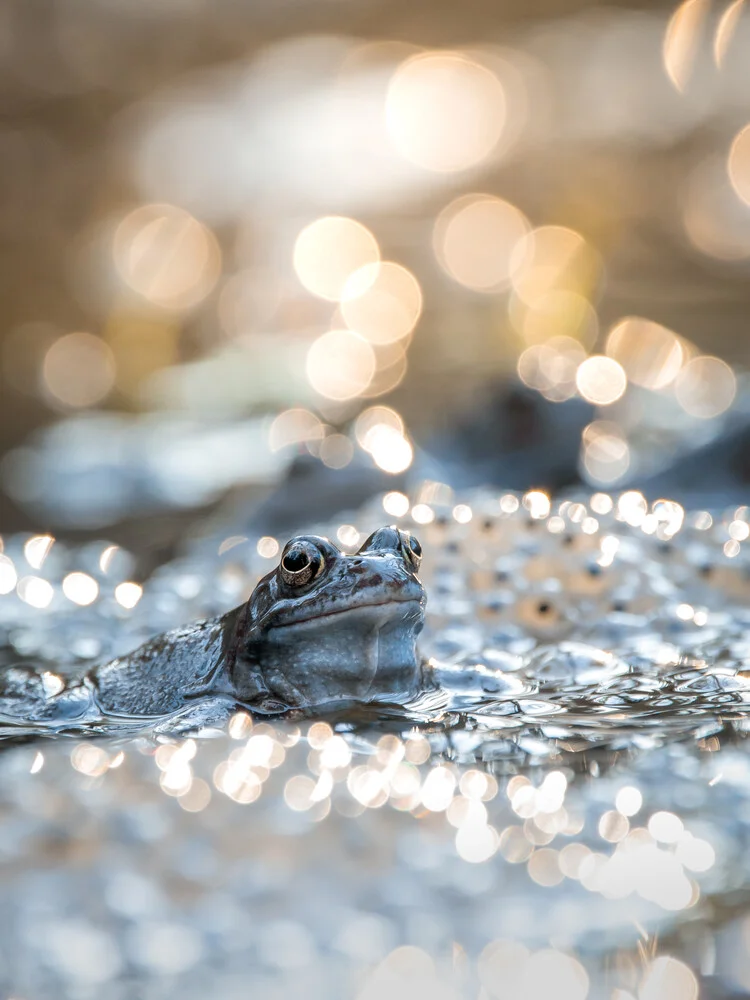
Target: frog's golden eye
x,y
412,548
300,563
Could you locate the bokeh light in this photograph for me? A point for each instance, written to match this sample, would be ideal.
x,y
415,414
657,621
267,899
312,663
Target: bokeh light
x,y
551,367
629,800
509,969
601,380
553,973
78,370
128,594
717,224
725,30
553,257
556,313
668,978
80,588
474,239
739,164
392,365
294,426
8,575
605,453
706,387
36,549
476,843
382,302
650,354
267,547
681,40
167,256
394,503
329,251
373,417
336,451
35,591
390,449
666,827
340,364
445,111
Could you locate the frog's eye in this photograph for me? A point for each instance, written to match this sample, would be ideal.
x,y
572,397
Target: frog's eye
x,y
300,564
412,548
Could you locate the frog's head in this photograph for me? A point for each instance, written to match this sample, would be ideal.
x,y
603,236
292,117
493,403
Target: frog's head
x,y
326,626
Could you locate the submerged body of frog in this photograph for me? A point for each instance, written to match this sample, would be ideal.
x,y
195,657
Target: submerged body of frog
x,y
323,627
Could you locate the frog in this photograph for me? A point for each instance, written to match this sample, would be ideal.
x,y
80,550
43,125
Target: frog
x,y
324,627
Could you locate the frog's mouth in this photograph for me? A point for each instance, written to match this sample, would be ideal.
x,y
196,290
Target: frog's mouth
x,y
362,651
409,607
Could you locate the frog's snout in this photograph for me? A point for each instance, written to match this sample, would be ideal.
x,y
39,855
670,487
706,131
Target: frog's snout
x,y
393,539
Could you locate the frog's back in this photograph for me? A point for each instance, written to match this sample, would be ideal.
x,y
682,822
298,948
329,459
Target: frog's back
x,y
163,674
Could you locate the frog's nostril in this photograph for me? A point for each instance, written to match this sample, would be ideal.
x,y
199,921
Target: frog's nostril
x,y
357,565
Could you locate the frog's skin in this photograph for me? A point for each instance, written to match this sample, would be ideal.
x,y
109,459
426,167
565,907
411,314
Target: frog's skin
x,y
323,627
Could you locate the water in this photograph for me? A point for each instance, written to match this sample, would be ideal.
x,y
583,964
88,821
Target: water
x,y
568,816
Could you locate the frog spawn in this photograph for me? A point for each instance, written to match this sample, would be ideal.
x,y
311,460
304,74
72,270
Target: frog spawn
x,y
562,621
611,632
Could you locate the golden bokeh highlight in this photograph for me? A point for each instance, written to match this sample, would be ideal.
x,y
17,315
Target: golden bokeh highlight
x,y
650,354
390,450
681,40
725,30
555,313
474,239
711,218
445,111
379,430
78,370
738,164
553,257
551,368
601,380
392,364
706,387
382,302
375,416
167,256
329,251
340,365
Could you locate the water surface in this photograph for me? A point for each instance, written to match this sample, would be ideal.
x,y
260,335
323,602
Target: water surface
x,y
567,816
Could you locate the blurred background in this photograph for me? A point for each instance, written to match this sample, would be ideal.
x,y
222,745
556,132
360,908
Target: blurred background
x,y
351,245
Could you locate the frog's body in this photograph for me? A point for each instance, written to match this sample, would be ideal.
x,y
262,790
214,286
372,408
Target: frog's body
x,y
322,627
